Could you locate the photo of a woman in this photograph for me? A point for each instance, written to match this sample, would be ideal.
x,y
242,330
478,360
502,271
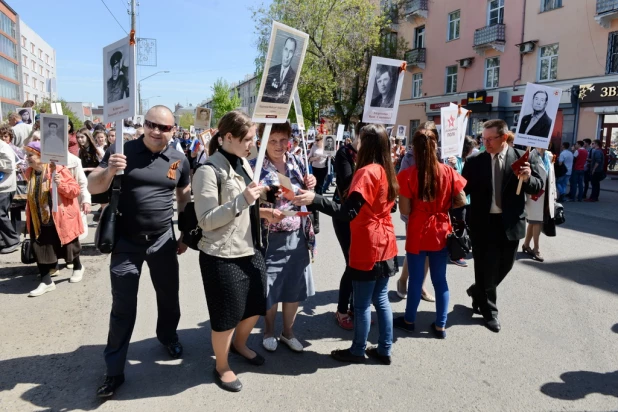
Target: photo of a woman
x,y
385,86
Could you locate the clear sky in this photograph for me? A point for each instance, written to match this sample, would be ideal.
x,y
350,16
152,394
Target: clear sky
x,y
198,41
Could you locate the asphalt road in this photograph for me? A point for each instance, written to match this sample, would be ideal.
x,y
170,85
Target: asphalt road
x,y
556,351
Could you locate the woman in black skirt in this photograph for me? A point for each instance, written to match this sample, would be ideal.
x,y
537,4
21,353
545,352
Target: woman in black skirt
x,y
231,260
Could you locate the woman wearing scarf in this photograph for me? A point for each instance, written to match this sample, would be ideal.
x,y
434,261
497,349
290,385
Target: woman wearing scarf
x,y
290,241
54,234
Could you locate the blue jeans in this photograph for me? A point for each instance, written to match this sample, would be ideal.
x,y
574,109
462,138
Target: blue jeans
x,y
365,293
561,184
577,185
437,269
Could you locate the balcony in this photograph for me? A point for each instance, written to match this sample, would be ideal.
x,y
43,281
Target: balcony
x,y
607,10
415,8
392,14
489,37
416,57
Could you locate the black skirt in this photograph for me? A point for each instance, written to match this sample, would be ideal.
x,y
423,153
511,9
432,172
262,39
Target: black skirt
x,y
48,248
235,289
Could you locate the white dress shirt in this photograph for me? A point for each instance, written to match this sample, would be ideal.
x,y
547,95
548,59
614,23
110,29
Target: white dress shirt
x,y
284,72
494,208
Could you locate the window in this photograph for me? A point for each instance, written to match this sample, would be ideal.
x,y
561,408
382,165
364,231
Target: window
x,y
25,60
414,124
23,41
9,90
417,85
27,95
547,5
33,64
612,53
47,58
32,47
42,86
7,25
548,67
26,78
47,74
451,79
40,70
389,44
492,72
8,47
453,25
8,68
419,37
40,54
34,82
495,14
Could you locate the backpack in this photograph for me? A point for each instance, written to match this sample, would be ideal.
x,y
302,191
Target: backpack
x,y
191,230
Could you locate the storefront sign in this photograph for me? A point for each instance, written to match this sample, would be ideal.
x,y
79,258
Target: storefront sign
x,y
488,100
438,106
477,97
517,99
598,93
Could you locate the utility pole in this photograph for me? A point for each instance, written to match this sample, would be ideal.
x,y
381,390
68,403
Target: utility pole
x,y
133,13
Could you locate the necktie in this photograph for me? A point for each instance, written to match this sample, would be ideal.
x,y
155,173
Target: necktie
x,y
498,181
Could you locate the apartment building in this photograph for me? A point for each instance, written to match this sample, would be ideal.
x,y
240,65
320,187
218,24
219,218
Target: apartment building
x,y
247,91
10,85
38,66
481,54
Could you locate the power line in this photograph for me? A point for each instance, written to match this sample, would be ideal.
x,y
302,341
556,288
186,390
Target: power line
x,y
110,12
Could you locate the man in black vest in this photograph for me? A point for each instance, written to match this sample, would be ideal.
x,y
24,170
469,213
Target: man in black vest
x,y
153,170
497,215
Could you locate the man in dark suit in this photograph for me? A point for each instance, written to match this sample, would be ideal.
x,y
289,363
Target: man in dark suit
x,y
537,123
496,214
280,80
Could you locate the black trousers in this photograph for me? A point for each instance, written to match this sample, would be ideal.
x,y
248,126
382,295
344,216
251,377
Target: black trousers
x,y
8,235
587,178
342,231
320,175
126,264
494,255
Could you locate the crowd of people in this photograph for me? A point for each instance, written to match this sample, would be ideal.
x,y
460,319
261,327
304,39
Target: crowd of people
x,y
258,239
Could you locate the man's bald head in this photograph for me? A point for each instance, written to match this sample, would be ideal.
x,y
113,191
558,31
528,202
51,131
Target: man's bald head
x,y
161,111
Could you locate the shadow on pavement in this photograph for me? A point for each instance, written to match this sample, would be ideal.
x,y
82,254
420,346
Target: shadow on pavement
x,y
597,272
578,385
580,222
18,279
460,315
615,328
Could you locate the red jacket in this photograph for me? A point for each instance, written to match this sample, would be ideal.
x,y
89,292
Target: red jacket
x,y
67,219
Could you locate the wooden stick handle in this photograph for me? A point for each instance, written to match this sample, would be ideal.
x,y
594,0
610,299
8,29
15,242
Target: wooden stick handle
x,y
521,182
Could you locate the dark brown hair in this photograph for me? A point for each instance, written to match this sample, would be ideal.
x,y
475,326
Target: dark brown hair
x,y
7,129
501,127
92,149
284,128
375,148
236,123
425,143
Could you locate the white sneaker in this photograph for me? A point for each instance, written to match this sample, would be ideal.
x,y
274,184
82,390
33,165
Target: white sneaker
x,y
77,275
42,289
270,344
69,266
293,343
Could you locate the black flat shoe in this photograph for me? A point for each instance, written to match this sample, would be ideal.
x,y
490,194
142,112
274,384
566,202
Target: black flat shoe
x,y
174,349
493,324
257,360
440,334
235,386
109,386
372,352
344,355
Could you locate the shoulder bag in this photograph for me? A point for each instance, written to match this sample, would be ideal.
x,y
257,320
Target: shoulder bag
x,y
27,252
458,241
105,235
191,230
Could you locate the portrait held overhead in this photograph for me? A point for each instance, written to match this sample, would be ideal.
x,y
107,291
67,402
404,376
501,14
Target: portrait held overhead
x,y
119,72
26,115
384,90
54,138
537,116
202,117
385,86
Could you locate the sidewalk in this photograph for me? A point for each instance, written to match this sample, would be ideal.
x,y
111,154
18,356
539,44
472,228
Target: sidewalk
x,y
610,184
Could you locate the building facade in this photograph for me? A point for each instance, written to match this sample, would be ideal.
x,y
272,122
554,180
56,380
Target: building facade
x,y
10,75
38,66
83,110
247,91
481,54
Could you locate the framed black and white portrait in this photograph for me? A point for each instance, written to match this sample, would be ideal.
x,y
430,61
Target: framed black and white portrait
x,y
401,132
383,90
202,117
537,116
119,84
330,146
54,138
284,61
26,114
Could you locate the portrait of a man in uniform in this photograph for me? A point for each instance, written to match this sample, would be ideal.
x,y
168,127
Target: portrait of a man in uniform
x,y
118,83
281,77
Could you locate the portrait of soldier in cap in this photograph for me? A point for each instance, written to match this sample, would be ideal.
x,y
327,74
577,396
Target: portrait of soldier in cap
x,y
118,84
52,138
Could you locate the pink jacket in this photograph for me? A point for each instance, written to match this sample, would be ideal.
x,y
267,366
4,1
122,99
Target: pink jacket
x,y
67,219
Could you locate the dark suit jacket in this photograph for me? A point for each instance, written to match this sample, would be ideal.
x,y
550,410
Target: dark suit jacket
x,y
540,128
276,91
477,171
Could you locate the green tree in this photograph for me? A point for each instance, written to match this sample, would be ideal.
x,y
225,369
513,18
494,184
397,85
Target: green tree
x,y
343,36
44,106
224,99
187,120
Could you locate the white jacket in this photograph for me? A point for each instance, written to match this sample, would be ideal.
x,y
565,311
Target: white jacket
x,y
76,169
8,183
22,131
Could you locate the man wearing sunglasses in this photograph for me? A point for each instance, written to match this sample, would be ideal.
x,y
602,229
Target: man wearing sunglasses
x,y
152,172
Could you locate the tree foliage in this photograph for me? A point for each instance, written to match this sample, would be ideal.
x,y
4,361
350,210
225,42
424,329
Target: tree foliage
x,y
44,106
223,100
187,120
343,36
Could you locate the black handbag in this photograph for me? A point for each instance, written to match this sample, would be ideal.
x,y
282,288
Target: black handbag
x,y
105,236
550,223
458,241
27,252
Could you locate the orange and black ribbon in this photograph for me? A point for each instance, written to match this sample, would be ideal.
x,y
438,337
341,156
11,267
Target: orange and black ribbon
x,y
403,67
132,38
171,173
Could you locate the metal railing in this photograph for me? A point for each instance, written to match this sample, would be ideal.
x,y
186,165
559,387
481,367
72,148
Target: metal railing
x,y
414,6
604,6
415,56
489,34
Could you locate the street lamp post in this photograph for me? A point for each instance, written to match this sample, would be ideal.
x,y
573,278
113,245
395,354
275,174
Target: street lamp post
x,y
139,88
147,101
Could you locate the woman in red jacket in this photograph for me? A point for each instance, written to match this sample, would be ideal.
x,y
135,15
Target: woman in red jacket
x,y
54,234
373,247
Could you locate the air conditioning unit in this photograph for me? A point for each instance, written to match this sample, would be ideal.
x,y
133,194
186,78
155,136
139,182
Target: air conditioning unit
x,y
465,63
526,48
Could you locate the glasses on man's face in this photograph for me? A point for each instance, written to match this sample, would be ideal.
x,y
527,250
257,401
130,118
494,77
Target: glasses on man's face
x,y
491,138
163,128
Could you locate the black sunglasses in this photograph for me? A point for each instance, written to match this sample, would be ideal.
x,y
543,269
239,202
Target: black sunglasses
x,y
162,127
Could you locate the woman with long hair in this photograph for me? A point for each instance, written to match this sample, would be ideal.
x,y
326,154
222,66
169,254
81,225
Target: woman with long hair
x,y
373,247
428,190
89,155
100,142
